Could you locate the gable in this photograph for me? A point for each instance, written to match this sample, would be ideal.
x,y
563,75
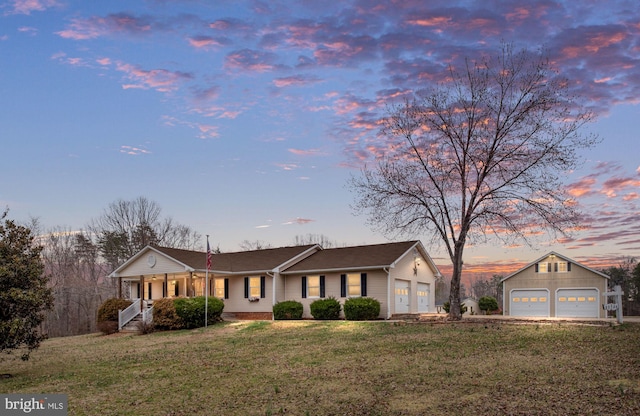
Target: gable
x,y
553,263
151,261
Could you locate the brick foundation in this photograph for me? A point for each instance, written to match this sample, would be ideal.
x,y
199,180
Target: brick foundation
x,y
249,316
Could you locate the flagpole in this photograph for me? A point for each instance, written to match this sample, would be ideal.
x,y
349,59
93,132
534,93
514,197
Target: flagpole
x,y
206,283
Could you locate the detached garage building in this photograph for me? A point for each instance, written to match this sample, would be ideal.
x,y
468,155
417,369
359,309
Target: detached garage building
x,y
555,286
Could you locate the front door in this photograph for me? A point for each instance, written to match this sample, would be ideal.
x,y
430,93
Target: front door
x,y
402,296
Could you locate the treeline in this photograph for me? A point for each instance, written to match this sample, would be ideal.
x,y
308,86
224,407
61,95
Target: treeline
x,y
77,262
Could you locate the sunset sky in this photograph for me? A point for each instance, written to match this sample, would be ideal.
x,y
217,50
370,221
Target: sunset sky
x,y
245,119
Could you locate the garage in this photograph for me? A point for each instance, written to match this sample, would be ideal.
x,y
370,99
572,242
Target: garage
x,y
402,294
529,302
577,303
423,298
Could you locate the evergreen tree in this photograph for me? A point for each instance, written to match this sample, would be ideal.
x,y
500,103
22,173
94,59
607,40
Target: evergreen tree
x,y
24,295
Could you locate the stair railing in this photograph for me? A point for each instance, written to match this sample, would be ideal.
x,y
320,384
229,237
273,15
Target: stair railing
x,y
147,315
126,315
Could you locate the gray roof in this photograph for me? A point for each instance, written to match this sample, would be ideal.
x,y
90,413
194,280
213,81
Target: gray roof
x,y
355,258
238,262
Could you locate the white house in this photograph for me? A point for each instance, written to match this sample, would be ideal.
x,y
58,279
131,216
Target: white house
x,y
401,276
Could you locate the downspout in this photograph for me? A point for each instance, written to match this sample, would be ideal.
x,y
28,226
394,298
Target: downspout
x,y
388,292
273,290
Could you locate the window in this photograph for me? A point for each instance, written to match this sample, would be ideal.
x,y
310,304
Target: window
x,y
562,267
353,284
218,287
254,287
543,267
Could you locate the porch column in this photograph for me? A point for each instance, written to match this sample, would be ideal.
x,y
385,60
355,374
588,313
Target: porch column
x,y
141,293
166,285
190,286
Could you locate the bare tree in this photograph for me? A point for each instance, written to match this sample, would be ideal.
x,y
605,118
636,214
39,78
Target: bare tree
x,y
77,278
321,239
125,227
247,245
483,154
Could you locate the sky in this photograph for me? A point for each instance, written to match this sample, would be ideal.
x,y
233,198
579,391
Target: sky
x,y
245,119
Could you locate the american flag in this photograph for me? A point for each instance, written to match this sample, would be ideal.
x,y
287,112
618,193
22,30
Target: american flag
x,y
208,256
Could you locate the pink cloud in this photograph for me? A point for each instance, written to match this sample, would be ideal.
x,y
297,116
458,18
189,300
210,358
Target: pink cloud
x,y
307,152
582,187
251,60
207,42
295,80
617,184
159,79
94,27
28,6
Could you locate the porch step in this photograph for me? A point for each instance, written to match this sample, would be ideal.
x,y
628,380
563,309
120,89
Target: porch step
x,y
133,325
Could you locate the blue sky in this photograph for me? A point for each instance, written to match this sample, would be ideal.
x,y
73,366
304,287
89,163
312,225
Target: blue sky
x,y
245,119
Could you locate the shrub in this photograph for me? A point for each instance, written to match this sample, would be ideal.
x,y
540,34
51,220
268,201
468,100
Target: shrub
x,y
288,309
446,308
361,309
108,311
165,316
108,327
488,303
191,310
108,314
328,308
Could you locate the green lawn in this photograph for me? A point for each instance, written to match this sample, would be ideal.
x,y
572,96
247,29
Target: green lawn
x,y
342,368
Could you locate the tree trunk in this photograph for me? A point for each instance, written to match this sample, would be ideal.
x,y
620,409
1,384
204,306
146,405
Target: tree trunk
x,y
454,294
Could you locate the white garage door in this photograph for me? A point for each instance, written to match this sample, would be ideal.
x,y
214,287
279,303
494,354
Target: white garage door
x,y
423,297
402,296
529,302
577,303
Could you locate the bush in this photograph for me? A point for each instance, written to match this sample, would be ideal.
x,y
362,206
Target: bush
x,y
108,314
108,311
361,309
108,327
446,308
165,316
328,308
288,309
191,311
488,303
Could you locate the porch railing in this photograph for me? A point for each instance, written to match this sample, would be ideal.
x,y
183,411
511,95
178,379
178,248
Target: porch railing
x,y
147,315
126,315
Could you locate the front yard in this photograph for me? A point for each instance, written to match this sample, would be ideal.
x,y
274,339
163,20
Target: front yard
x,y
339,367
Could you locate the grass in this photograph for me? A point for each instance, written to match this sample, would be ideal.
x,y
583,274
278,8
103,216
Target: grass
x,y
339,367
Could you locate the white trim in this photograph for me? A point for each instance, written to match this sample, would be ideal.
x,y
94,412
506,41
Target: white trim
x,y
116,272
